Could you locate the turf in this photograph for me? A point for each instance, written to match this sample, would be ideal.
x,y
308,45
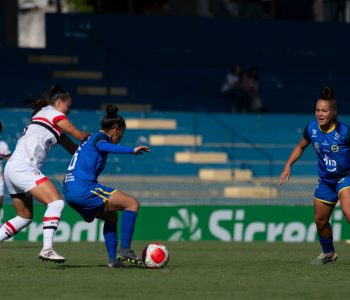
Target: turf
x,y
197,270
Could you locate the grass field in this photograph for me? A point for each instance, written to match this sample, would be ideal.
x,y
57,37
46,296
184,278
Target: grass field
x,y
197,270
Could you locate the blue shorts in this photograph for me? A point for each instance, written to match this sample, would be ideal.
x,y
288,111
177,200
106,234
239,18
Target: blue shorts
x,y
89,201
329,192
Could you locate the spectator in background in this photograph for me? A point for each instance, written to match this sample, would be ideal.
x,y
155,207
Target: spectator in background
x,y
232,89
250,84
4,153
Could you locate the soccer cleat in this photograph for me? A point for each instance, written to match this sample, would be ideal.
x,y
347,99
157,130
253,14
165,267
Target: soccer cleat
x,y
116,264
51,255
325,258
129,255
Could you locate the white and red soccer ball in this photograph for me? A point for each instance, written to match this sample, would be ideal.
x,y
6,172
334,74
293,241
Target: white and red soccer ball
x,y
155,255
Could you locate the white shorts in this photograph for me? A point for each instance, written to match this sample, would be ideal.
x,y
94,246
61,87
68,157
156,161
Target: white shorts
x,y
1,185
21,177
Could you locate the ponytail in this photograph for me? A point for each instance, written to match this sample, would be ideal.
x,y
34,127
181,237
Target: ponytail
x,y
55,93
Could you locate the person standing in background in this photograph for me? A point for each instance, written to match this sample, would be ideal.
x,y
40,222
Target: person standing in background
x,y
5,153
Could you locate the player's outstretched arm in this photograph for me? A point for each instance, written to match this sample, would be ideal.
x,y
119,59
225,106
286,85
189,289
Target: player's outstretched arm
x,y
140,149
68,127
294,156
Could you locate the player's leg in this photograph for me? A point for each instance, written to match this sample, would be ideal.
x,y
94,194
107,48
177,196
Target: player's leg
x,y
323,212
344,197
130,207
24,207
1,197
110,237
1,210
46,192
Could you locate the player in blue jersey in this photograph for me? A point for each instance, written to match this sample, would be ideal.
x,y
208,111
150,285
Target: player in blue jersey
x,y
93,200
331,141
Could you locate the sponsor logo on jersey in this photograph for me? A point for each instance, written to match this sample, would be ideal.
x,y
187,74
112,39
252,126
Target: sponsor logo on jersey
x,y
314,133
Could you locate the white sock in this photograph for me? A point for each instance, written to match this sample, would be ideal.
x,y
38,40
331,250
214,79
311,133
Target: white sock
x,y
11,227
51,221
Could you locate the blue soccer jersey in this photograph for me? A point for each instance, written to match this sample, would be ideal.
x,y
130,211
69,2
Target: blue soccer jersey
x,y
89,161
332,148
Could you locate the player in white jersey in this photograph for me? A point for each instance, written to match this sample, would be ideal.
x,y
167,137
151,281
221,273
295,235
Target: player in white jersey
x,y
22,173
4,154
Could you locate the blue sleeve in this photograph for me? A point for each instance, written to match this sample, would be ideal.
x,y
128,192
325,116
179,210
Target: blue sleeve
x,y
347,137
306,133
112,148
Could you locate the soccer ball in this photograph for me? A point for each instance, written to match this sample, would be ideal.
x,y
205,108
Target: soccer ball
x,y
155,255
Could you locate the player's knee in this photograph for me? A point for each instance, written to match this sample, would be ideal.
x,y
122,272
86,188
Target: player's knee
x,y
135,205
321,223
58,204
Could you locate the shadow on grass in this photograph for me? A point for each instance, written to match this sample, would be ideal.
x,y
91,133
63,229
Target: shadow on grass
x,y
71,266
66,266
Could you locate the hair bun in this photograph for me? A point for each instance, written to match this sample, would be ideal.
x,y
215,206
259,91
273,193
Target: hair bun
x,y
327,93
111,110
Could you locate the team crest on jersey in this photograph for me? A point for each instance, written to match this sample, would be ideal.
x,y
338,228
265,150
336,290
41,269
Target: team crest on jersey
x,y
335,148
37,172
51,143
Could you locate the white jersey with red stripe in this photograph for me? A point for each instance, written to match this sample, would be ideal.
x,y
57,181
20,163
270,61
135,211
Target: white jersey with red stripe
x,y
4,151
41,134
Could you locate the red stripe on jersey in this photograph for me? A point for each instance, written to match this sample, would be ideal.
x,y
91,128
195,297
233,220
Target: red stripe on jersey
x,y
10,226
51,218
59,118
41,180
54,126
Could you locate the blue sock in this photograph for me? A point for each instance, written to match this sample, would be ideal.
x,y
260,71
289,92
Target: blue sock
x,y
327,244
127,228
111,239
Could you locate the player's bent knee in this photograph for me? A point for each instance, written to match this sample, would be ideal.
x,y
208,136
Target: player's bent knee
x,y
59,204
135,205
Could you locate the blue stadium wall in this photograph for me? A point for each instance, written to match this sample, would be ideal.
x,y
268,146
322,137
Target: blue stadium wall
x,y
179,63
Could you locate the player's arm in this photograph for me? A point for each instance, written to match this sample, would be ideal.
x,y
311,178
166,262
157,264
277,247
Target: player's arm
x,y
68,127
294,156
68,144
118,149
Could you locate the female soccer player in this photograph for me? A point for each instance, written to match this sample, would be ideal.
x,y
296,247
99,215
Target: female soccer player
x,y
22,173
4,154
93,200
331,141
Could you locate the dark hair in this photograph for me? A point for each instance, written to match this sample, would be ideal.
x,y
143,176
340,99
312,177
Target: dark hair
x,y
49,98
327,94
112,119
1,126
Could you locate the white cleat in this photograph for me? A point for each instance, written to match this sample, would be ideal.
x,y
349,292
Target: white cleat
x,y
51,255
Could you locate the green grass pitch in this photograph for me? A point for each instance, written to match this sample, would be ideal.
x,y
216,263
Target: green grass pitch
x,y
197,270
